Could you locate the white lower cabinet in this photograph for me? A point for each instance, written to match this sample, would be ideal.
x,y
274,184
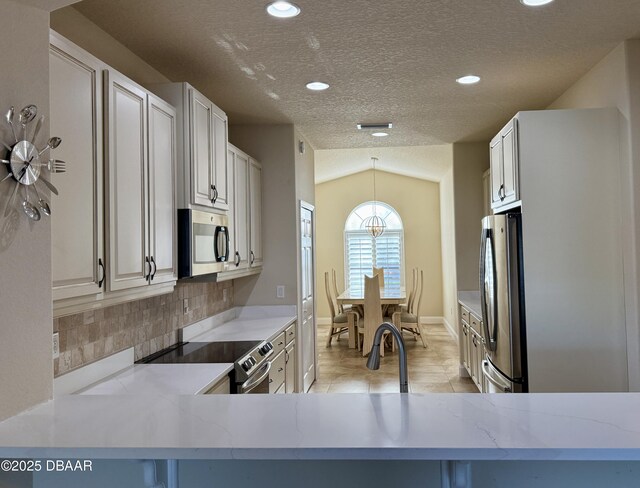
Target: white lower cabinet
x,y
290,358
277,373
222,387
472,347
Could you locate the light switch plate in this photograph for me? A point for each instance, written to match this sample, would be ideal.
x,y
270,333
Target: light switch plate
x,y
280,291
56,345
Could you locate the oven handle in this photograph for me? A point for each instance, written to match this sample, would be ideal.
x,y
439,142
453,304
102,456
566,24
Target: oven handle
x,y
251,384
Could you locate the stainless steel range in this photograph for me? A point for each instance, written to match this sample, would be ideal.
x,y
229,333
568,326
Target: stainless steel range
x,y
251,361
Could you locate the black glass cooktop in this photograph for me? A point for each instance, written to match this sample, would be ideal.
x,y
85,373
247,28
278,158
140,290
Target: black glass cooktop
x,y
201,352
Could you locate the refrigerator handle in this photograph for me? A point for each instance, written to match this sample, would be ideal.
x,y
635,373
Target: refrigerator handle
x,y
491,339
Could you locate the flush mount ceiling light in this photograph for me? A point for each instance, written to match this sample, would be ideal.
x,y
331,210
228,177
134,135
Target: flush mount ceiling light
x,y
283,10
535,3
468,80
379,134
317,86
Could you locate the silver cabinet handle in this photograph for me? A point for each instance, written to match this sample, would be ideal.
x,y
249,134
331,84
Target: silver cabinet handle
x,y
253,257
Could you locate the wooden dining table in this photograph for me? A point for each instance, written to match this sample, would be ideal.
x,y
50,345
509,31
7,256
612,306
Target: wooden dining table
x,y
389,295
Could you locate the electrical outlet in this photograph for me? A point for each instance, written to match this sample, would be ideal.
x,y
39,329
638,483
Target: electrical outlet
x,y
185,306
280,291
56,345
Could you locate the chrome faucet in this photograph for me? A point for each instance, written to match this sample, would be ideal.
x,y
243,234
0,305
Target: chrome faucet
x,y
374,356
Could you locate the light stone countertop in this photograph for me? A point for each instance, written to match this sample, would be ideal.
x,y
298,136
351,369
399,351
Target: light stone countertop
x,y
246,329
471,300
159,379
386,426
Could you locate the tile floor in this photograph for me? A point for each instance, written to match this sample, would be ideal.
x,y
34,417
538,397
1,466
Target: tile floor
x,y
431,370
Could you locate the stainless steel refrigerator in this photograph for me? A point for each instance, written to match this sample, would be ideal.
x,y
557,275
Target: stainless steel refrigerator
x,y
502,300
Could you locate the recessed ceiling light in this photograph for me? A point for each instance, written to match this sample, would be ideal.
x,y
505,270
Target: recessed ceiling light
x,y
468,80
317,85
535,3
282,9
379,134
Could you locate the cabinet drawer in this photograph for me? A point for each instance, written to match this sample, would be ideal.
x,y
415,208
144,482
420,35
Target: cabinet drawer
x,y
278,343
290,333
276,374
464,313
475,323
222,387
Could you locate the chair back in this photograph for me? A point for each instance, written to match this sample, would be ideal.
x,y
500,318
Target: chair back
x,y
372,311
379,272
412,293
418,296
335,290
332,306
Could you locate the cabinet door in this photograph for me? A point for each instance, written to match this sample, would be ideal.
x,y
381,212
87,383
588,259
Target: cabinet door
x,y
496,171
255,195
277,373
241,210
201,150
221,178
127,182
76,222
290,368
510,162
162,198
465,346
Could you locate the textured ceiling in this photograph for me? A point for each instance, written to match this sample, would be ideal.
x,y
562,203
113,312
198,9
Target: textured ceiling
x,y
394,60
48,5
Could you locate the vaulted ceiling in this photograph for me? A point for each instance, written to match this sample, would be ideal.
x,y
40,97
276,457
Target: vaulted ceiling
x,y
393,60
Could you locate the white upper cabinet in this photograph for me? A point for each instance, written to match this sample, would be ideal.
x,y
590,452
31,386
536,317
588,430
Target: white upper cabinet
x,y
203,170
245,239
504,167
76,221
239,252
255,197
140,189
162,184
127,181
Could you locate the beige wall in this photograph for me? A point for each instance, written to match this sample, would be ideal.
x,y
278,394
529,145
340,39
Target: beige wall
x,y
470,161
26,372
615,82
78,29
448,244
273,146
418,203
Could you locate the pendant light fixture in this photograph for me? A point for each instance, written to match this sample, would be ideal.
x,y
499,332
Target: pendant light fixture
x,y
374,224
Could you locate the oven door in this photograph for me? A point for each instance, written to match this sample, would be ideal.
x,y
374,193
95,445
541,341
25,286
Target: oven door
x,y
257,382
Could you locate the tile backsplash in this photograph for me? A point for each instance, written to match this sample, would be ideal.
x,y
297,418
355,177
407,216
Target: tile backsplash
x,y
148,325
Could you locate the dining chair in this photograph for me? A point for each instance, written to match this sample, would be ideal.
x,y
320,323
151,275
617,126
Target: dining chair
x,y
340,322
409,320
412,293
379,272
372,315
341,308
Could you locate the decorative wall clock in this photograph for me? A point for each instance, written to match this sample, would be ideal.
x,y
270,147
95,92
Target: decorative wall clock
x,y
25,163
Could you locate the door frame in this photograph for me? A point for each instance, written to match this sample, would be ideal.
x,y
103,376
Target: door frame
x,y
300,343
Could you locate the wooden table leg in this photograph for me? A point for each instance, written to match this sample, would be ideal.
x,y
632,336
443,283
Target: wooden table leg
x,y
352,331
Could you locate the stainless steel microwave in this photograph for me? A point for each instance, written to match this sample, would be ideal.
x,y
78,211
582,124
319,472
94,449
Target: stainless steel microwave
x,y
203,242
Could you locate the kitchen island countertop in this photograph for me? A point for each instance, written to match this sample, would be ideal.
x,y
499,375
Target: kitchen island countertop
x,y
384,426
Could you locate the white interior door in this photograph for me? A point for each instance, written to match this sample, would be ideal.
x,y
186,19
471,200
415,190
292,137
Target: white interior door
x,y
307,295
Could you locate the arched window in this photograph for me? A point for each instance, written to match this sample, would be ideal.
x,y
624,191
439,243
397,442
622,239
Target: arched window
x,y
362,251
